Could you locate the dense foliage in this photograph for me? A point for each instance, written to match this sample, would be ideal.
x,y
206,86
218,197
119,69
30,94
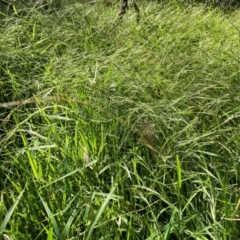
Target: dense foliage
x,y
116,130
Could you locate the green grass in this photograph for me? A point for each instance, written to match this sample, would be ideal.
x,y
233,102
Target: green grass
x,y
124,130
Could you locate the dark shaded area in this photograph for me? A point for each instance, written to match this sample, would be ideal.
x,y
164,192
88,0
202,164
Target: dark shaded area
x,y
124,8
228,2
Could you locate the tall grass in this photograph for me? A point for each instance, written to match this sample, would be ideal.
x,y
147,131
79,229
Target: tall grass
x,y
123,131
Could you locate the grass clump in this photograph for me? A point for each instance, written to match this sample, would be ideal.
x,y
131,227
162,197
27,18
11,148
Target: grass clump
x,y
113,130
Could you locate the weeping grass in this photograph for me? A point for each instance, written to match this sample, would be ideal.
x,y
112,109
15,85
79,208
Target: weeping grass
x,y
116,130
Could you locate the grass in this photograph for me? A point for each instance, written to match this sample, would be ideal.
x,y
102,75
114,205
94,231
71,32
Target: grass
x,y
119,130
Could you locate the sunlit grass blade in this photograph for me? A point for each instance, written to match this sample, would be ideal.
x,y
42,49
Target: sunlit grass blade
x,y
50,233
179,173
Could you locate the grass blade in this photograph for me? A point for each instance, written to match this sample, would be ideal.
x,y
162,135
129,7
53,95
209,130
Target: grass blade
x,y
179,173
10,212
51,217
99,213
